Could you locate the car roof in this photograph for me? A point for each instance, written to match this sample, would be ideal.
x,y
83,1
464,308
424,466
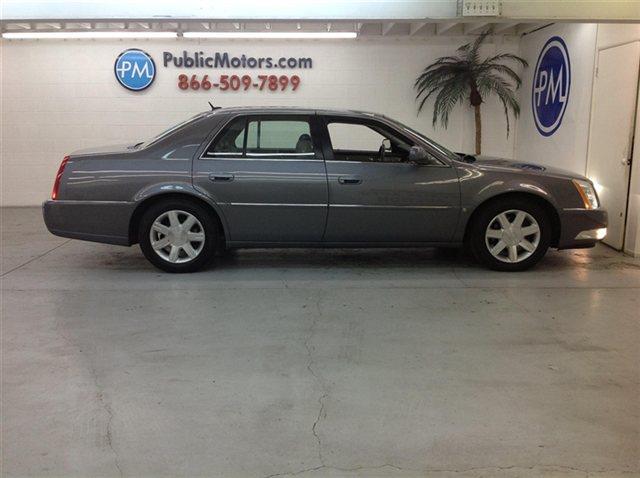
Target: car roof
x,y
290,109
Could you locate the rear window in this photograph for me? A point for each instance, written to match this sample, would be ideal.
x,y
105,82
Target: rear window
x,y
170,130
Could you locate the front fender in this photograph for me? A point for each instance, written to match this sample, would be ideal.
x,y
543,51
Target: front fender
x,y
498,187
478,186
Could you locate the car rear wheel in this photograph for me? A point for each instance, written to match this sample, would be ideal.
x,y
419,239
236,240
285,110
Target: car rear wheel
x,y
178,236
510,235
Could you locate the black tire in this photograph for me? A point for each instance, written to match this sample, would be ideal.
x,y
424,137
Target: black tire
x,y
485,216
209,226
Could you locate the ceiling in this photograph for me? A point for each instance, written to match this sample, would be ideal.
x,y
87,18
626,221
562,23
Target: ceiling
x,y
364,29
418,19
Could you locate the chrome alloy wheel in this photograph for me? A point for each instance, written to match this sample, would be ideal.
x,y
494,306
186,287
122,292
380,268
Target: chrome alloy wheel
x,y
177,236
512,236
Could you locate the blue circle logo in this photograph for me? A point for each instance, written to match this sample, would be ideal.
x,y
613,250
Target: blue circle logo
x,y
135,69
551,85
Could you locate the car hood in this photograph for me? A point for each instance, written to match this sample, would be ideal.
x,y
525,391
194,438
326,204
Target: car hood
x,y
494,163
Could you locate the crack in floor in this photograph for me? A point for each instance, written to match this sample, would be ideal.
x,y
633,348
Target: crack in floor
x,y
108,435
4,274
107,408
322,411
318,377
325,394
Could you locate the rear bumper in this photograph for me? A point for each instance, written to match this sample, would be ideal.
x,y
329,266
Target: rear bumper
x,y
576,221
97,221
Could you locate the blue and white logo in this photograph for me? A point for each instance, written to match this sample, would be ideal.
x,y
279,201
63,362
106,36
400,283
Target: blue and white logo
x,y
551,84
135,70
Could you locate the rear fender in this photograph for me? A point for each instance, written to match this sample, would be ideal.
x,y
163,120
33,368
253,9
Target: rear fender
x,y
184,189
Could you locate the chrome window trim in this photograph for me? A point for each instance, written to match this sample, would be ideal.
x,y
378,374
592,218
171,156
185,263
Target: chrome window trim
x,y
211,155
390,162
281,154
313,160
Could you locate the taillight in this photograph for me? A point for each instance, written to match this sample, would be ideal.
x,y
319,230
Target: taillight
x,y
56,184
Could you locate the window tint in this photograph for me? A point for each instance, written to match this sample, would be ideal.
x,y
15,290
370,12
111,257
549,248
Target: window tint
x,y
231,142
252,135
354,137
172,129
265,137
279,137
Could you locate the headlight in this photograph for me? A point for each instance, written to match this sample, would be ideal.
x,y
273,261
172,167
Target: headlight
x,y
587,193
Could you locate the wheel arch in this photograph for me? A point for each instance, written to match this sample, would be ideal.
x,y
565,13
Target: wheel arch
x,y
143,205
549,208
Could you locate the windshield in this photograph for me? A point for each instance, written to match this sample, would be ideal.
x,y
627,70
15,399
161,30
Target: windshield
x,y
441,149
167,131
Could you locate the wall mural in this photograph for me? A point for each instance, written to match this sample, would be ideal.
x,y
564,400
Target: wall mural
x,y
551,85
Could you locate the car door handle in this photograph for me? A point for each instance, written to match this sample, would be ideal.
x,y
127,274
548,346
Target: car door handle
x,y
349,180
221,177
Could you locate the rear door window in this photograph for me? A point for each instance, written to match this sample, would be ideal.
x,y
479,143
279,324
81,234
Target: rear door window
x,y
265,136
231,142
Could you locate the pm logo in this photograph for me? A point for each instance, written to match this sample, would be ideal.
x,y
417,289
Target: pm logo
x,y
551,84
135,70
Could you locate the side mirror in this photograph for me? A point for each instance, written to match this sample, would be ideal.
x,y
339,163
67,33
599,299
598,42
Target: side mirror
x,y
418,155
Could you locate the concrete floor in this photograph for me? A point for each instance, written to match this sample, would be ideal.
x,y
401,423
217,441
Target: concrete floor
x,y
315,363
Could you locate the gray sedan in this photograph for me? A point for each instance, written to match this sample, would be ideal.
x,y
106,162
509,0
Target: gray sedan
x,y
286,177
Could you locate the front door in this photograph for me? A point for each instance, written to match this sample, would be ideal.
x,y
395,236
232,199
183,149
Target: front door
x,y
611,135
267,174
377,195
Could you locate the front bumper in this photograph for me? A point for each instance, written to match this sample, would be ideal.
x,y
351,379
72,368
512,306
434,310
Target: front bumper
x,y
97,221
575,222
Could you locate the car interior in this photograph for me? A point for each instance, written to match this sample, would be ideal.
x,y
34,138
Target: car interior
x,y
351,140
368,142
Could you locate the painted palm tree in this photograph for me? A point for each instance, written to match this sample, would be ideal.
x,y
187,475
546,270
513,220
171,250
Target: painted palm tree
x,y
454,79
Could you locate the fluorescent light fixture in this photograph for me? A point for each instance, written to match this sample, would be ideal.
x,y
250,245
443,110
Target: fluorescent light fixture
x,y
85,35
272,34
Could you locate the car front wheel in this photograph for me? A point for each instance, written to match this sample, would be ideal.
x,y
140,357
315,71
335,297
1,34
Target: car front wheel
x,y
177,236
510,235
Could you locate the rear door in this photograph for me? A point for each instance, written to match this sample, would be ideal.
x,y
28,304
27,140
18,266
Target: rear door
x,y
267,174
377,195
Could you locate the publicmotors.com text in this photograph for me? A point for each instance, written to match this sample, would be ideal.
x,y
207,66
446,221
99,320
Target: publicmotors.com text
x,y
224,60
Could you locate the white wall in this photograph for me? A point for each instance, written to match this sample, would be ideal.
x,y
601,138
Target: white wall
x,y
632,235
608,36
567,147
59,96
